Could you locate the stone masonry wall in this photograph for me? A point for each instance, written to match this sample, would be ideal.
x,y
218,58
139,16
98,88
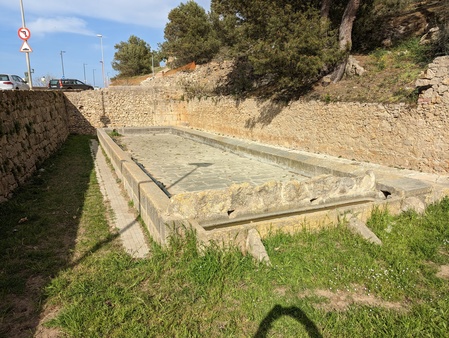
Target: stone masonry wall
x,y
435,82
32,126
123,107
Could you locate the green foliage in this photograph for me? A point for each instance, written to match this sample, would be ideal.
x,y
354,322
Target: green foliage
x,y
133,57
289,46
114,133
295,51
189,35
414,51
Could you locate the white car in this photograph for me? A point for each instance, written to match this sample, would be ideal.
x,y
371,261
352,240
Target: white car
x,y
11,82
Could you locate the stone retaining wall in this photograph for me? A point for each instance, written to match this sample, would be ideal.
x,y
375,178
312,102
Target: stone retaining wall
x,y
435,82
32,126
124,107
395,135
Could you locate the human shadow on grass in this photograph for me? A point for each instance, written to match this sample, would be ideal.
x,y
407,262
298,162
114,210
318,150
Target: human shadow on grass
x,y
294,312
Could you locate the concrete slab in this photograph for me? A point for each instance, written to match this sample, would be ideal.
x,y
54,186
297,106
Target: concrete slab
x,y
184,165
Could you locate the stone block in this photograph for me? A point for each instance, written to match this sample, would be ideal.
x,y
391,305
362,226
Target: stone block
x,y
255,247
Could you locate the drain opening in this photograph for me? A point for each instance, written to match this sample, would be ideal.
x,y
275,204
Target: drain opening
x,y
386,193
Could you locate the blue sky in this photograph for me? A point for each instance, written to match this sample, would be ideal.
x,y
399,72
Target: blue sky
x,y
72,27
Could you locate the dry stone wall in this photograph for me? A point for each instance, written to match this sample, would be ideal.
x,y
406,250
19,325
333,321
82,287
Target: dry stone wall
x,y
32,126
435,82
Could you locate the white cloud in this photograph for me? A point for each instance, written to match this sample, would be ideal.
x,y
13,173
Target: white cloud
x,y
149,13
59,24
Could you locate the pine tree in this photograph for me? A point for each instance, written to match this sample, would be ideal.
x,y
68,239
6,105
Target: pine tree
x,y
133,57
189,35
287,43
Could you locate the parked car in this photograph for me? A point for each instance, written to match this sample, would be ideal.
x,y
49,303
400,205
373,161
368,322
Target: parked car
x,y
11,82
68,84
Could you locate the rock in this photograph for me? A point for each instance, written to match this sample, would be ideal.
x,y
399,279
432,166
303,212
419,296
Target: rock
x,y
387,42
245,199
413,203
431,36
422,82
433,85
353,67
255,247
326,81
358,227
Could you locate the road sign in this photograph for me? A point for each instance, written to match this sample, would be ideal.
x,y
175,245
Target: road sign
x,y
26,47
24,33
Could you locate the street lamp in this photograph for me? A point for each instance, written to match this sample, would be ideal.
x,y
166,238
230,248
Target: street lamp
x,y
84,67
102,59
93,75
62,63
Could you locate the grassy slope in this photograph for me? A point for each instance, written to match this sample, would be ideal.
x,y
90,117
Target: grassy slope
x,y
389,78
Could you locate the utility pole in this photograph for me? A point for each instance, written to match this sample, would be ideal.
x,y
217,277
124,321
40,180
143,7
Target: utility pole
x,y
62,63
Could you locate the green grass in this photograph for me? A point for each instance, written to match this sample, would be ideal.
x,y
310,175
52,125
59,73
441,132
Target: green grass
x,y
328,283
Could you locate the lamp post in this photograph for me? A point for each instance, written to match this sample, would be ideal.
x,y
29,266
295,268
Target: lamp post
x,y
93,75
62,63
102,59
27,54
84,67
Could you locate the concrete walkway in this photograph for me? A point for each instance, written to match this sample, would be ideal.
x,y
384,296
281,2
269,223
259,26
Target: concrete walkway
x,y
124,219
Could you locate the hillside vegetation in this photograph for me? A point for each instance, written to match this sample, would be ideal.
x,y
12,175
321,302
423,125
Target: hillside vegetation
x,y
285,52
389,77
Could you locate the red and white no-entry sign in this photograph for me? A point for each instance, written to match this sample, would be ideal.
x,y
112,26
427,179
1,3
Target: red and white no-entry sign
x,y
24,33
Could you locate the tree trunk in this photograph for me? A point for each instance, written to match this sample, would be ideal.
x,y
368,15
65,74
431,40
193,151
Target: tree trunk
x,y
345,32
325,6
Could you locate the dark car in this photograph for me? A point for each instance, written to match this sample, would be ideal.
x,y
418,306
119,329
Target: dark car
x,y
68,84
